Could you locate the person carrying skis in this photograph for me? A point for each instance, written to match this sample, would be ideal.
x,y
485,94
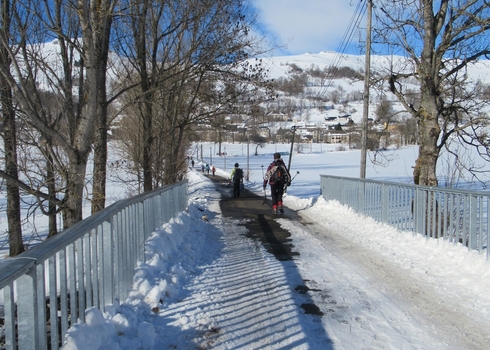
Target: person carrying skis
x,y
236,176
278,177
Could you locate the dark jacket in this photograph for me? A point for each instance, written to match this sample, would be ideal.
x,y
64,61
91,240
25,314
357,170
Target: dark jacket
x,y
236,179
271,170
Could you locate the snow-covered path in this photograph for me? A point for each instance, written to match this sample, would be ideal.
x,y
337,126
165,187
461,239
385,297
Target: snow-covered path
x,y
385,306
207,285
244,299
247,299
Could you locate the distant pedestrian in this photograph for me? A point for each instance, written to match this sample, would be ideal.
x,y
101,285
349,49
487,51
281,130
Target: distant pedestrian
x,y
192,162
202,168
236,176
278,177
207,168
213,170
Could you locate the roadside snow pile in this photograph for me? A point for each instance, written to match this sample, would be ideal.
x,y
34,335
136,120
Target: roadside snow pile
x,y
171,254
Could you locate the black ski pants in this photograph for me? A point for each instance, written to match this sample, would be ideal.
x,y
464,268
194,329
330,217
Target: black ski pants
x,y
277,190
236,189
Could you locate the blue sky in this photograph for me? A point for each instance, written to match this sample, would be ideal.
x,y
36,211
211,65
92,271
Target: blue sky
x,y
309,25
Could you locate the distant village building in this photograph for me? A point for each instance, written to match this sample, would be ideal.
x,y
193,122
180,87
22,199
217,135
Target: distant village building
x,y
264,131
343,120
236,129
337,137
278,117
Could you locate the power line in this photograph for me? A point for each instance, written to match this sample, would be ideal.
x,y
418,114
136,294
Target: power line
x,y
357,16
353,25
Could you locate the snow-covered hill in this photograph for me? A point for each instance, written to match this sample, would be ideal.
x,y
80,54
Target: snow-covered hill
x,y
281,67
278,65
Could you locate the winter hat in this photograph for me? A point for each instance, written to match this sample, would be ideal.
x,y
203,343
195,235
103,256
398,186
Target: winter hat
x,y
277,155
236,165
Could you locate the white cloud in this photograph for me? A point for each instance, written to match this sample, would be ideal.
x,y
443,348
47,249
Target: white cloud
x,y
308,25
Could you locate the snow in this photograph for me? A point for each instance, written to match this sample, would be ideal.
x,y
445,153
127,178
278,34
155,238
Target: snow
x,y
279,66
206,285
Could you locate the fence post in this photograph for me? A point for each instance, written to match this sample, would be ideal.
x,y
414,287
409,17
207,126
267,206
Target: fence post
x,y
9,312
385,202
107,262
418,210
362,196
488,227
42,341
27,319
472,226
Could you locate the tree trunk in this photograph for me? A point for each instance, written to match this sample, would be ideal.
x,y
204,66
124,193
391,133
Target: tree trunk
x,y
50,171
83,138
427,116
13,197
100,141
10,143
424,172
147,146
96,25
72,212
174,156
100,158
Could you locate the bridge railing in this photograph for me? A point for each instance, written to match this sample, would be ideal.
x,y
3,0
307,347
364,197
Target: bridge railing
x,y
453,215
48,288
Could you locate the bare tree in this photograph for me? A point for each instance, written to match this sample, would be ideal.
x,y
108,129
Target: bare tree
x,y
187,63
188,59
101,22
384,112
440,40
407,130
65,124
259,142
9,134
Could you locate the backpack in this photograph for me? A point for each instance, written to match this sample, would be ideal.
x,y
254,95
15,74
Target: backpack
x,y
278,174
238,176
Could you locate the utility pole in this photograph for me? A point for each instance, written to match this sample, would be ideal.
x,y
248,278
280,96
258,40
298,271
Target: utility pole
x,y
248,158
367,68
293,129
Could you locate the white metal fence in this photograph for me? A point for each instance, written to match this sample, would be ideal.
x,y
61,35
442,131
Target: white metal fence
x,y
454,215
48,288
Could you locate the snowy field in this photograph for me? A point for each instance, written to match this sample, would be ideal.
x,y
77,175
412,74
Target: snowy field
x,y
204,285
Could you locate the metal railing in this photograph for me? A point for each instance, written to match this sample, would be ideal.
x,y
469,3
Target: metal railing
x,y
48,288
453,215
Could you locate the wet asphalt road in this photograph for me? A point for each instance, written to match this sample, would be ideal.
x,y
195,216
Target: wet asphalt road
x,y
256,215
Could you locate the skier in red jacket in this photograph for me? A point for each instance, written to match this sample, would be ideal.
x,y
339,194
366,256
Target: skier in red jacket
x,y
278,177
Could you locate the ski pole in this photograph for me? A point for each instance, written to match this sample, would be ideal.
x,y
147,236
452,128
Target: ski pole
x,y
294,176
285,185
265,193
